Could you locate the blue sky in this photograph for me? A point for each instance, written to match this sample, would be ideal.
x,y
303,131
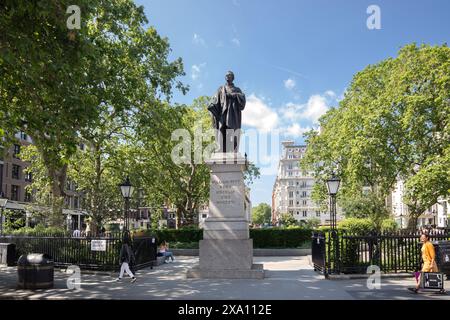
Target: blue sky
x,y
292,58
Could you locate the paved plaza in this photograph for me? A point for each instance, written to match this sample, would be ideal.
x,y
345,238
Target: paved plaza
x,y
287,278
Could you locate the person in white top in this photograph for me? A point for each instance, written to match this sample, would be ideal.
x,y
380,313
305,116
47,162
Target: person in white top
x,y
164,252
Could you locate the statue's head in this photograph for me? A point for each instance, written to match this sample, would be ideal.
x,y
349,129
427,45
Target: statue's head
x,y
229,76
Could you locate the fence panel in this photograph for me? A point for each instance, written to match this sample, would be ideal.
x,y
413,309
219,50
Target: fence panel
x,y
393,252
66,250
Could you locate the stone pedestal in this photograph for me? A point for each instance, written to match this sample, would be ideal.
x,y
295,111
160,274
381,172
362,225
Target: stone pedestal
x,y
226,251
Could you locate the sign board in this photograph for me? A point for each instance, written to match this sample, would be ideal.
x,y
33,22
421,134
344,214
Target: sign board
x,y
432,280
98,245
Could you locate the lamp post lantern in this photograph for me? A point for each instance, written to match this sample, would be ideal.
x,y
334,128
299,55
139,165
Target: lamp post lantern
x,y
3,202
333,187
127,191
333,184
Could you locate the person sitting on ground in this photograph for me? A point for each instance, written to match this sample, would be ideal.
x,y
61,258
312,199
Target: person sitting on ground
x,y
164,252
428,258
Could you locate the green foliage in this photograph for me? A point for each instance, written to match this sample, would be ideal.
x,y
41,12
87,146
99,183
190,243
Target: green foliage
x,y
391,124
389,225
312,223
58,85
293,237
287,220
261,214
13,220
184,235
357,226
38,230
365,206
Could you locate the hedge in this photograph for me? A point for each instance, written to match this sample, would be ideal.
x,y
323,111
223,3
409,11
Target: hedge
x,y
262,238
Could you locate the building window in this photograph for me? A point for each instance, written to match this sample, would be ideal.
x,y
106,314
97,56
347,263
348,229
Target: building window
x,y
76,202
298,212
290,174
291,194
291,203
204,215
298,202
16,172
318,214
15,193
23,136
290,166
16,151
304,202
28,196
305,213
291,183
304,194
28,177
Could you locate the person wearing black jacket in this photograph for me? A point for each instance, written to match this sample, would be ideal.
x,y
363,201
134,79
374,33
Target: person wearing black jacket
x,y
126,259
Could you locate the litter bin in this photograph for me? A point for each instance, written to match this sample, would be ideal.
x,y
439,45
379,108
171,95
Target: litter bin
x,y
443,257
35,271
8,254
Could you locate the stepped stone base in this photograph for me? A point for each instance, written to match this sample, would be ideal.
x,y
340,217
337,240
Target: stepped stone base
x,y
256,272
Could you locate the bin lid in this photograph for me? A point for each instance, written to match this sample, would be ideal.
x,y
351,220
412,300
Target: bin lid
x,y
34,258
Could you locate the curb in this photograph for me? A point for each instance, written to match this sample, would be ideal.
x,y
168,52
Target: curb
x,y
366,276
256,252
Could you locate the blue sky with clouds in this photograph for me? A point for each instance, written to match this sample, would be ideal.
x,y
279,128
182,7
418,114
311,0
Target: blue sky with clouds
x,y
292,58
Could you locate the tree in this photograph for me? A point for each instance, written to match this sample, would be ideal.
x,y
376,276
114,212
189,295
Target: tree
x,y
366,206
392,124
56,83
261,214
169,152
287,220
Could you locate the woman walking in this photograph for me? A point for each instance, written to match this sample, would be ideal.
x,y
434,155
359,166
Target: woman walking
x,y
428,258
126,258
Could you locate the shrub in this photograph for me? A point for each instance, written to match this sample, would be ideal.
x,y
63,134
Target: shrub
x,y
38,230
184,235
389,225
292,237
358,226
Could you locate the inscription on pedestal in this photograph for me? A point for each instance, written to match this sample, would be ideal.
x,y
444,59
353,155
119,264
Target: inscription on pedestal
x,y
225,191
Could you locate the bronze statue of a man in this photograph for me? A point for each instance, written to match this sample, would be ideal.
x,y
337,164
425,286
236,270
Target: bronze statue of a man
x,y
226,110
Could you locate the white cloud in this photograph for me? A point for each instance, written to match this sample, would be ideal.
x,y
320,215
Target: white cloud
x,y
289,84
197,39
330,94
295,131
196,70
220,44
236,42
311,111
259,115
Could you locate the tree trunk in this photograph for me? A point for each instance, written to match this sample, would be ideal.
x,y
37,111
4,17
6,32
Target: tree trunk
x,y
412,221
58,178
178,216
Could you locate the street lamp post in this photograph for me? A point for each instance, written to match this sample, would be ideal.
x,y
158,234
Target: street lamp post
x,y
434,218
127,191
3,202
333,187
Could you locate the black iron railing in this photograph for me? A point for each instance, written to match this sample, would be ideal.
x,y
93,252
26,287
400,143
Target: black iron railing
x,y
392,252
66,250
